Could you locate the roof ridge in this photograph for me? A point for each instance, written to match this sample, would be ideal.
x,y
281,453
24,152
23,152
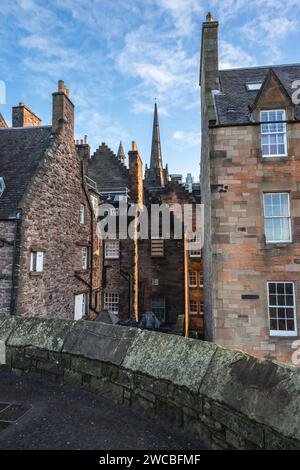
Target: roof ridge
x,y
260,67
24,128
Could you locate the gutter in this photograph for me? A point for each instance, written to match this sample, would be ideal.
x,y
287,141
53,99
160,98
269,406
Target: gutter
x,y
15,260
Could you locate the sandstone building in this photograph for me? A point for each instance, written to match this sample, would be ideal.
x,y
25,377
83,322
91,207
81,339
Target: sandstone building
x,y
147,274
250,182
50,255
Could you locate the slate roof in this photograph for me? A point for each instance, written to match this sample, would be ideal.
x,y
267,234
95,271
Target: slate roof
x,y
234,93
21,150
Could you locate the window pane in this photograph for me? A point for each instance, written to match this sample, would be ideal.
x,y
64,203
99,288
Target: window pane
x,y
286,235
289,288
290,325
273,312
272,288
280,288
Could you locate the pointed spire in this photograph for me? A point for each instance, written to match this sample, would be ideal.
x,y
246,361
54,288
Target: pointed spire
x,y
156,172
121,153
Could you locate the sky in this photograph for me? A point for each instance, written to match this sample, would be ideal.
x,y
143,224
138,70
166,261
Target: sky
x,y
117,56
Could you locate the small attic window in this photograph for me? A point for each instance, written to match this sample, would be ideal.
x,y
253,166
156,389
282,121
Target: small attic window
x,y
231,109
2,185
253,86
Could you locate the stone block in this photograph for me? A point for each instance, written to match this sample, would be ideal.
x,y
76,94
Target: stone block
x,y
107,343
40,333
263,391
173,358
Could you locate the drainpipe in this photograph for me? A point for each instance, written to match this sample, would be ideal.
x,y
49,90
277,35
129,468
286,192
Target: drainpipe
x,y
92,237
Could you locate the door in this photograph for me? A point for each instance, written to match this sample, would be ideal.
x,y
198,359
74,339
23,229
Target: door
x,y
80,306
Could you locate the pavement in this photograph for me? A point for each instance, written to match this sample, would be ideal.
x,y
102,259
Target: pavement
x,y
38,414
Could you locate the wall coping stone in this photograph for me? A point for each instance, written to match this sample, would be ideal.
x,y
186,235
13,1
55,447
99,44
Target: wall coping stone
x,y
228,389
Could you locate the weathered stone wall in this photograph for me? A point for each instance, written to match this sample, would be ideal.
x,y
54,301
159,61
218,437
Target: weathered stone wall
x,y
51,223
226,397
7,231
243,261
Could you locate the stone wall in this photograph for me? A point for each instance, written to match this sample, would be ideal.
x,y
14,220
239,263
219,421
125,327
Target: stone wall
x,y
51,223
229,399
7,232
245,262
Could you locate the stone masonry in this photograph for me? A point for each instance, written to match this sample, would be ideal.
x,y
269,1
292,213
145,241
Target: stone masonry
x,y
238,262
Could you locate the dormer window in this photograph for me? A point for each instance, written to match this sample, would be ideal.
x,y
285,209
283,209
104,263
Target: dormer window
x,y
253,86
273,133
2,185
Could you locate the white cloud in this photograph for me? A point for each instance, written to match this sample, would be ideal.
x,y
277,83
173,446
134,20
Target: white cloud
x,y
162,69
270,34
183,13
100,128
140,107
189,137
233,56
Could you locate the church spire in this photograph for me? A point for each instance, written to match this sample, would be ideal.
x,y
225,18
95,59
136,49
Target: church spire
x,y
121,153
156,172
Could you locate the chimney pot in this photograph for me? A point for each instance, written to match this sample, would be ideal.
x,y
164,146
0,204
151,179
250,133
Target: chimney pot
x,y
209,17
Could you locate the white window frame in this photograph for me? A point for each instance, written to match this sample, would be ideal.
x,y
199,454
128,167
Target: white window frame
x,y
111,302
288,217
269,133
36,261
200,279
253,86
195,247
193,283
283,332
111,250
196,310
85,258
82,214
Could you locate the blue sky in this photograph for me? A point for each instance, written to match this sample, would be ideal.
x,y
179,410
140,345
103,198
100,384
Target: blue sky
x,y
116,56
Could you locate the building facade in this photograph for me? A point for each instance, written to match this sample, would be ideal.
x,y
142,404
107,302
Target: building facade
x,y
147,274
250,180
50,255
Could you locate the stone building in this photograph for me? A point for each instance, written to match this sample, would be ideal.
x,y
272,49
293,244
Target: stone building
x,y
250,181
147,274
50,255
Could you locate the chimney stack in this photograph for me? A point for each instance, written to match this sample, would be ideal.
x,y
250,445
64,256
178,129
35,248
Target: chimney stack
x,y
84,152
136,175
209,66
22,116
63,111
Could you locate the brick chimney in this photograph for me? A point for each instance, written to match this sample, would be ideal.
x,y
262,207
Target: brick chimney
x,y
84,152
136,175
62,111
22,116
209,65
